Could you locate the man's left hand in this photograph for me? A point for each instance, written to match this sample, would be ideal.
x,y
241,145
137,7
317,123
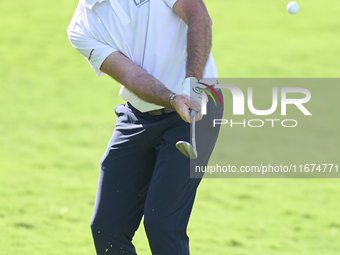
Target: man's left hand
x,y
182,104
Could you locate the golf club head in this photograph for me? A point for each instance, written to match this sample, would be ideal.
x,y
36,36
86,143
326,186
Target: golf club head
x,y
186,149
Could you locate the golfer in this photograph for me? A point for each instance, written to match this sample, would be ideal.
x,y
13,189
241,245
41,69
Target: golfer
x,y
153,48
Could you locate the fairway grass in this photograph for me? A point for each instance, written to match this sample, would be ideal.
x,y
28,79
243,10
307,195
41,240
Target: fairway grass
x,y
56,118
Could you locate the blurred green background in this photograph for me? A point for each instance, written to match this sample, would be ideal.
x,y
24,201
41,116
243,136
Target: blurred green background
x,y
56,117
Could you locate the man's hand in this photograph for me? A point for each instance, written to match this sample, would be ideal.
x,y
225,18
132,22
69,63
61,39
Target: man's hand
x,y
183,105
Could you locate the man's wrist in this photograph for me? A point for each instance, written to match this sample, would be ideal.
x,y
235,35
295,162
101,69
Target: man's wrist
x,y
171,99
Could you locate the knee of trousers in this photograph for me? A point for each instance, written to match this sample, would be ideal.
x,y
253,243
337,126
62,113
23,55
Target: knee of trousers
x,y
158,229
99,226
105,226
113,226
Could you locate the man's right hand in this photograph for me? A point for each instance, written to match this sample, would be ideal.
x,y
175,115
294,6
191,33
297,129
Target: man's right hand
x,y
183,105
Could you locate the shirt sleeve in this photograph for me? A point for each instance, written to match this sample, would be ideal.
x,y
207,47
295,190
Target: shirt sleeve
x,y
93,50
170,3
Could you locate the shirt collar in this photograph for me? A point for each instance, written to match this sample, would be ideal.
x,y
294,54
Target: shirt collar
x,y
90,3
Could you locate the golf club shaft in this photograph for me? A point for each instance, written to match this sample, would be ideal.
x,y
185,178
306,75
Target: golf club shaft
x,y
192,125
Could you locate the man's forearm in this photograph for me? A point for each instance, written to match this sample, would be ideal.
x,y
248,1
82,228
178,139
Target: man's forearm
x,y
136,79
196,16
144,85
198,45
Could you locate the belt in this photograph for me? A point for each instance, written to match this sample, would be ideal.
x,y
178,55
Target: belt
x,y
161,111
154,112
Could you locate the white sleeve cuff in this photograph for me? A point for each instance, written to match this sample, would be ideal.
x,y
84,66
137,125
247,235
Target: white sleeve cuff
x,y
97,61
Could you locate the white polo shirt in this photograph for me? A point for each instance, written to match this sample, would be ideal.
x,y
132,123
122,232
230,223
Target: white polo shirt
x,y
148,32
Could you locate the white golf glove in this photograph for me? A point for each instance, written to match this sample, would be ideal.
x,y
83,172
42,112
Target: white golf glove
x,y
192,88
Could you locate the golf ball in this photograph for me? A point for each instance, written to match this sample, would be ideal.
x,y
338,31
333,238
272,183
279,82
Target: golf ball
x,y
293,7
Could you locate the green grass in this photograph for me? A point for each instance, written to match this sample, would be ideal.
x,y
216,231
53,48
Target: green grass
x,y
56,117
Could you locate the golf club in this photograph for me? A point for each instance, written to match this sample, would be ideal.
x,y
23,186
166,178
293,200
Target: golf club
x,y
186,148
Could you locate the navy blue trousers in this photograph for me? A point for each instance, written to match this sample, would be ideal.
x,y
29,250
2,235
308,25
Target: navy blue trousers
x,y
143,174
